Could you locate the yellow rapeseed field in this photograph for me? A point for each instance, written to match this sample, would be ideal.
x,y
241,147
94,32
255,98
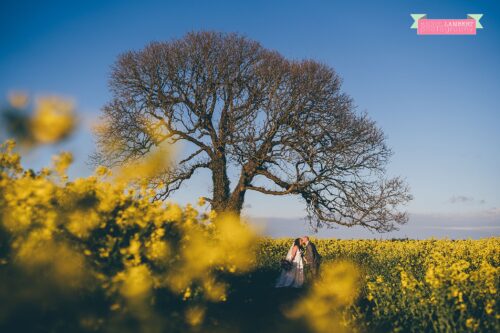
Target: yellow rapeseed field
x,y
416,285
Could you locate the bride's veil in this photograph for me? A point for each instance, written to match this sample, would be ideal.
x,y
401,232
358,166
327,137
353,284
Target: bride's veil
x,y
289,254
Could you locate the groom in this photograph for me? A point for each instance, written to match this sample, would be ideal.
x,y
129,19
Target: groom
x,y
311,257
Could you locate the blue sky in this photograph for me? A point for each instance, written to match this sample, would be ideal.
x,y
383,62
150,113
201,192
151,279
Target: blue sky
x,y
436,97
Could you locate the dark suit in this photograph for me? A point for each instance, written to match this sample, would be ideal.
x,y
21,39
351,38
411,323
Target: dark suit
x,y
313,258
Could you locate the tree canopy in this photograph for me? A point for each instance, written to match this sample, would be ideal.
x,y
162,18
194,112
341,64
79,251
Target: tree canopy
x,y
284,124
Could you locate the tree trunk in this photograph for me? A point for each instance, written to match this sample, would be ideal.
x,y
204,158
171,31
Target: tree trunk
x,y
220,182
235,203
237,198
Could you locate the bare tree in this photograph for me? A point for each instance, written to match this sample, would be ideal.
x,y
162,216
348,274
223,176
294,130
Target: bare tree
x,y
285,125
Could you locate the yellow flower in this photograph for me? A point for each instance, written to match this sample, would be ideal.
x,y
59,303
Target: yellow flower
x,y
472,324
187,293
53,120
62,162
212,215
173,212
102,171
18,100
324,306
201,201
137,283
194,315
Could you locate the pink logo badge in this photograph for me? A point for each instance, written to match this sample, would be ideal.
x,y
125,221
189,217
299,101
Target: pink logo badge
x,y
427,26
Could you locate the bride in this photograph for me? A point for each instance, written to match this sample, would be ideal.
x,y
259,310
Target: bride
x,y
294,277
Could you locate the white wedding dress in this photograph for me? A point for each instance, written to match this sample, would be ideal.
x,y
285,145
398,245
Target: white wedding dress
x,y
294,277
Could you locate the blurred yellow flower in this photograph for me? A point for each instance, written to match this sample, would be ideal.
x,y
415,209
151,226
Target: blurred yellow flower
x,y
323,307
201,201
62,162
18,99
194,315
137,283
141,170
53,119
102,171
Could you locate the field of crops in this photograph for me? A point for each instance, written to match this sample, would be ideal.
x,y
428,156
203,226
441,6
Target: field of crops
x,y
409,285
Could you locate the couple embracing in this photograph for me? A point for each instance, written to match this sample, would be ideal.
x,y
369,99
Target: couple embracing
x,y
301,257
